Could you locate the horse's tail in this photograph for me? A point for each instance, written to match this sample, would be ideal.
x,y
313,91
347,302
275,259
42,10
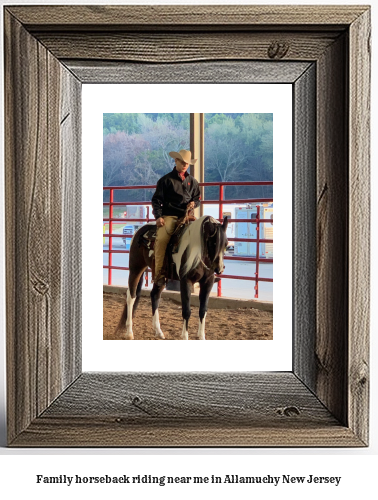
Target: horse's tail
x,y
122,321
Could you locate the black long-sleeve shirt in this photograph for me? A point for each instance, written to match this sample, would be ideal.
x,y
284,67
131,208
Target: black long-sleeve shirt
x,y
173,194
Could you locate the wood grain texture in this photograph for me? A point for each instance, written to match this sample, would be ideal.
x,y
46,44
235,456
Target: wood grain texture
x,y
100,432
201,72
185,15
71,192
217,396
359,210
332,230
33,233
197,409
322,403
28,187
186,47
304,227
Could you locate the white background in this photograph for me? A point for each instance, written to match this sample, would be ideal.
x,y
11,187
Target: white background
x,y
357,466
233,355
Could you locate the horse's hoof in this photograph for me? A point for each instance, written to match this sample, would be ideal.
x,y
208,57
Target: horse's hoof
x,y
128,336
160,336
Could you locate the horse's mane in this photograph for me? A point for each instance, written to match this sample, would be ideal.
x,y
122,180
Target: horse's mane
x,y
192,248
221,240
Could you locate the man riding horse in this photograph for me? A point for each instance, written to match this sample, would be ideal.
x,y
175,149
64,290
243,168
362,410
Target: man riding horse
x,y
196,259
176,192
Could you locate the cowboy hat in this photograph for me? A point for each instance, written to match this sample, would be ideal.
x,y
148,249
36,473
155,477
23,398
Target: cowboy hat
x,y
183,155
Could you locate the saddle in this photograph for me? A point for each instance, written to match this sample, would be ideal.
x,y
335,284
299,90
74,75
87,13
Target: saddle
x,y
147,239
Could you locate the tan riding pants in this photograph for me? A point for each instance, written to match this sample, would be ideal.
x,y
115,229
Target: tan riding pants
x,y
163,235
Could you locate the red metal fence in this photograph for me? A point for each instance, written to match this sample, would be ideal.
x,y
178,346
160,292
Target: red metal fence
x,y
221,201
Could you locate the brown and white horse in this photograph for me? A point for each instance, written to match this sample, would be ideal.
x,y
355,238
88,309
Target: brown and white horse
x,y
199,255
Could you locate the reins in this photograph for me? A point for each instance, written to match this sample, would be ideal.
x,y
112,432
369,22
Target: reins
x,y
183,221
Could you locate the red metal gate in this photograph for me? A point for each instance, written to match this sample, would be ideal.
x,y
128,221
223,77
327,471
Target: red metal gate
x,y
221,201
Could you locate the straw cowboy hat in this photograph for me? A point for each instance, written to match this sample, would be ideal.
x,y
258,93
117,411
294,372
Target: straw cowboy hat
x,y
183,155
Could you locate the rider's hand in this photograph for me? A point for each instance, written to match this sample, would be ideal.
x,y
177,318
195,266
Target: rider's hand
x,y
191,204
160,222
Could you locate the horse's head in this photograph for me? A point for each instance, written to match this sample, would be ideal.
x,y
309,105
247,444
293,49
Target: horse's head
x,y
216,244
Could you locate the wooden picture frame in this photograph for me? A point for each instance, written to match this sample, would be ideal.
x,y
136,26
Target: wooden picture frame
x,y
324,52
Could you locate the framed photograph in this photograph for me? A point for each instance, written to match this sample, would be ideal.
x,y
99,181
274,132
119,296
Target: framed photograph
x,y
233,164
323,52
158,118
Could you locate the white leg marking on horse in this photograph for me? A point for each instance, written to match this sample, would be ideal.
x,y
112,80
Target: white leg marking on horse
x,y
129,320
184,334
201,329
156,325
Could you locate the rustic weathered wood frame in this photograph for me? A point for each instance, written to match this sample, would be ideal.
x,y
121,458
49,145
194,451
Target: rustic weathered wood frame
x,y
49,52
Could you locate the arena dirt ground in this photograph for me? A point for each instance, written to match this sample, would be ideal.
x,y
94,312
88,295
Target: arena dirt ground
x,y
221,324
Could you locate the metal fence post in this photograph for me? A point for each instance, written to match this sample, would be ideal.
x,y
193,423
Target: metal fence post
x,y
221,193
110,261
257,252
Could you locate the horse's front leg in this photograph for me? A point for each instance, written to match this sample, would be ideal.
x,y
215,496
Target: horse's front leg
x,y
155,299
205,289
186,290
